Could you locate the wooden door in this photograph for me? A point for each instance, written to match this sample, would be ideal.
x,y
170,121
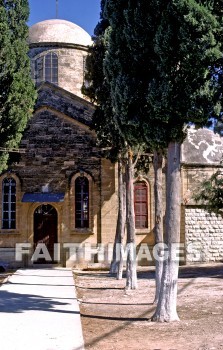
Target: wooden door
x,y
45,228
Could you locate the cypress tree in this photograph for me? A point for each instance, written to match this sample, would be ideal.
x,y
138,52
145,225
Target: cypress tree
x,y
17,92
160,73
108,132
97,89
161,65
184,91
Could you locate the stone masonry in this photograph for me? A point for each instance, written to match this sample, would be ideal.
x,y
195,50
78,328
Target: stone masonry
x,y
203,235
202,231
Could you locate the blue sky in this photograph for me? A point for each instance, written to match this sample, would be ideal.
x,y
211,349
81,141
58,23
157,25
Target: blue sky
x,y
85,13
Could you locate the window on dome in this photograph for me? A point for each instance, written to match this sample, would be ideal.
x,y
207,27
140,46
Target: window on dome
x,y
46,68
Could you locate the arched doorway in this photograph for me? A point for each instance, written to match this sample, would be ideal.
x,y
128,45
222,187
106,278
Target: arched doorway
x,y
45,228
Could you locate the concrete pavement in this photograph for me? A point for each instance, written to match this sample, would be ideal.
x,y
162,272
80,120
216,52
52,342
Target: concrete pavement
x,y
39,311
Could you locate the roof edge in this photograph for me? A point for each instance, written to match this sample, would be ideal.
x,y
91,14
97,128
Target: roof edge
x,y
60,45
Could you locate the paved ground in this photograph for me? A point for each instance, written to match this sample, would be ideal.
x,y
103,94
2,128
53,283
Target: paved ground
x,y
39,310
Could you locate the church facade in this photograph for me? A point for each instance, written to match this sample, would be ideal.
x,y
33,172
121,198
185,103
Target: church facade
x,y
58,200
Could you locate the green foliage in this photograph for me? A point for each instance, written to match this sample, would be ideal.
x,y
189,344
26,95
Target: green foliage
x,y
97,89
154,69
210,193
186,48
17,92
160,60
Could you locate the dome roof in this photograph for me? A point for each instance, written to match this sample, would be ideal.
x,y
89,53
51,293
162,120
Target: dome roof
x,y
58,31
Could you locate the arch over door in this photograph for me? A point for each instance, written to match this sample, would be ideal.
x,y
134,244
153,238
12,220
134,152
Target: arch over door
x,y
45,227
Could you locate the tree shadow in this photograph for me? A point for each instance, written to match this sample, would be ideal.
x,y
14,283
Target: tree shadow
x,y
185,272
127,321
100,288
215,271
145,274
40,284
117,304
11,302
122,319
91,272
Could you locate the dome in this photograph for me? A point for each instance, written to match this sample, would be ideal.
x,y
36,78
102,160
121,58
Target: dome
x,y
58,31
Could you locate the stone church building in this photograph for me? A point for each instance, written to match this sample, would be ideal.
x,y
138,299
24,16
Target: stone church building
x,y
60,192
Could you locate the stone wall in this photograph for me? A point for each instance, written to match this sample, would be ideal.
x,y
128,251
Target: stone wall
x,y
203,236
7,259
56,147
202,231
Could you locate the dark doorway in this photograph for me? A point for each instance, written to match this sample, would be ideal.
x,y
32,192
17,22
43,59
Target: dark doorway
x,y
45,229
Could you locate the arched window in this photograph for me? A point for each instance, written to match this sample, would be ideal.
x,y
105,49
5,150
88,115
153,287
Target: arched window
x,y
81,202
51,68
141,205
8,203
46,68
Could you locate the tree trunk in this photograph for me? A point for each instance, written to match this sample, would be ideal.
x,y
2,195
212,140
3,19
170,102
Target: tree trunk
x,y
117,259
131,281
158,228
123,222
166,310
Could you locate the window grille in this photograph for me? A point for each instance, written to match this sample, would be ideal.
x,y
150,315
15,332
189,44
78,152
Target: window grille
x,y
9,203
81,202
46,68
141,205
